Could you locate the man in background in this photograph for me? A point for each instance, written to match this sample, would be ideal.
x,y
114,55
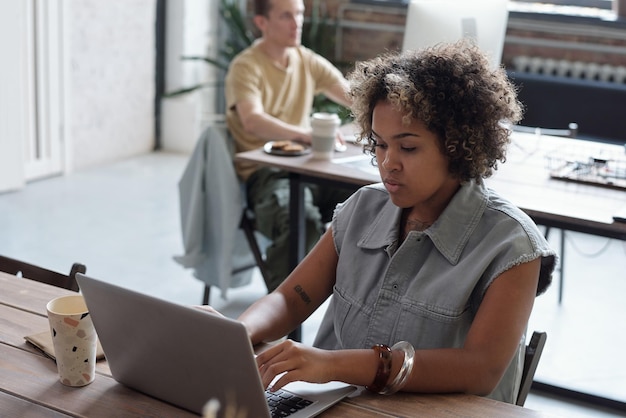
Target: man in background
x,y
270,88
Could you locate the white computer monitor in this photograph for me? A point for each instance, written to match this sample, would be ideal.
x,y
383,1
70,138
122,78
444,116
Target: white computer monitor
x,y
429,22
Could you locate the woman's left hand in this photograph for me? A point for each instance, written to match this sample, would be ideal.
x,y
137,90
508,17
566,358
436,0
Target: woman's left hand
x,y
297,362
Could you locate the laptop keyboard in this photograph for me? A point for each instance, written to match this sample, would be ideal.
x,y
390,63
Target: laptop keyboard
x,y
283,403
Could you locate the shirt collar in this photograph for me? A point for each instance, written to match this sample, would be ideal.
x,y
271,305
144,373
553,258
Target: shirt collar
x,y
449,233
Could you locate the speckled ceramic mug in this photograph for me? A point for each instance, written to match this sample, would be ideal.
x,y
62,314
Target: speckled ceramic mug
x,y
74,339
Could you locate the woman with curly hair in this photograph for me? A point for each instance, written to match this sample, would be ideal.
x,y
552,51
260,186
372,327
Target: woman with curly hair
x,y
432,275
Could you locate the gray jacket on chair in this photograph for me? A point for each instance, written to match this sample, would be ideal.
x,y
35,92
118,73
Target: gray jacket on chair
x,y
211,204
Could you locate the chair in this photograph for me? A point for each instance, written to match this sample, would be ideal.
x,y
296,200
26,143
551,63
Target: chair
x,y
43,275
570,132
215,219
247,226
216,148
531,360
211,205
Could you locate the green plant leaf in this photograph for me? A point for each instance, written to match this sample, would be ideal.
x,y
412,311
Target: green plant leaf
x,y
241,35
219,64
186,90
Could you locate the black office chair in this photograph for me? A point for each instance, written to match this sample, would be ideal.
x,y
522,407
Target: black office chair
x,y
43,275
531,360
246,223
570,132
247,226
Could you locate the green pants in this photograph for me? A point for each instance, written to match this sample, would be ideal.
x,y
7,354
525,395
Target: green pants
x,y
268,196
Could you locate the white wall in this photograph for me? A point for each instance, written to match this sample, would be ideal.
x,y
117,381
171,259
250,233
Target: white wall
x,y
192,30
109,79
12,23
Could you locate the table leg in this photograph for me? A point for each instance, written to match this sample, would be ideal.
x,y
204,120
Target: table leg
x,y
297,231
297,228
562,266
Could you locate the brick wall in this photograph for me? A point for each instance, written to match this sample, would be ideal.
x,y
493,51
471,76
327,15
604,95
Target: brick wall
x,y
359,32
365,31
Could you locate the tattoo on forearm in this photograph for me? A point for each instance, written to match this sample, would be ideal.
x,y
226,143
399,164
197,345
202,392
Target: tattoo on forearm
x,y
299,290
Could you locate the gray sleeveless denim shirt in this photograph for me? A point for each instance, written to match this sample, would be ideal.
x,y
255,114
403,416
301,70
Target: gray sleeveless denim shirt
x,y
427,289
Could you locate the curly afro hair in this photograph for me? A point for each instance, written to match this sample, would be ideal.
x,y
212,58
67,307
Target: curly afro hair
x,y
453,91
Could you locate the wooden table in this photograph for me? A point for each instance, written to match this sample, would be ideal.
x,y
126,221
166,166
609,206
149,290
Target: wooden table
x,y
523,179
565,205
29,385
348,169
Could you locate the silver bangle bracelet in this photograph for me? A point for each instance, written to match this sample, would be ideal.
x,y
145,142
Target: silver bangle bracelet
x,y
407,366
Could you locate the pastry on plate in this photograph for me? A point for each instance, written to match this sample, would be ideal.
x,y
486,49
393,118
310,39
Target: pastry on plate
x,y
287,146
280,145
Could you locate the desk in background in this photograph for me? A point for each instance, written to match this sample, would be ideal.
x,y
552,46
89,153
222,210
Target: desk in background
x,y
575,206
568,205
29,385
349,169
523,179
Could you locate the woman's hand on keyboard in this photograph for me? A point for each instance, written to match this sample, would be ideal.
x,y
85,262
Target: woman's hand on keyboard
x,y
295,361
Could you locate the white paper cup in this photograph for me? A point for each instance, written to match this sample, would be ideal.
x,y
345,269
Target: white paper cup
x,y
74,339
324,127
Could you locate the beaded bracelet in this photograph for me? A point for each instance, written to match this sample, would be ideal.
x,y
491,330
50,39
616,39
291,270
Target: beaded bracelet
x,y
384,368
407,366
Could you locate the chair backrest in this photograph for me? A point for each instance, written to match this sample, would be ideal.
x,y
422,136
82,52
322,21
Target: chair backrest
x,y
531,360
43,275
570,132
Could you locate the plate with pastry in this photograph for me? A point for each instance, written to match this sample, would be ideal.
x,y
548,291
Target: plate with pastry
x,y
286,148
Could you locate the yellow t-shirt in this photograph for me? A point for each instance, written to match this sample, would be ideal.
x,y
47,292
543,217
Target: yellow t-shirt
x,y
285,93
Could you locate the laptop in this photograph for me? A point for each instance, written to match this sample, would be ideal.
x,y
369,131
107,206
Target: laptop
x,y
186,357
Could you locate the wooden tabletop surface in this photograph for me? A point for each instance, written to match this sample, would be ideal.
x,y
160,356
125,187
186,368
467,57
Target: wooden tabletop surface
x,y
29,385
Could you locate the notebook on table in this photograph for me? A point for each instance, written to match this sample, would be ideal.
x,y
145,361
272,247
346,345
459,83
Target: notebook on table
x,y
186,356
43,341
